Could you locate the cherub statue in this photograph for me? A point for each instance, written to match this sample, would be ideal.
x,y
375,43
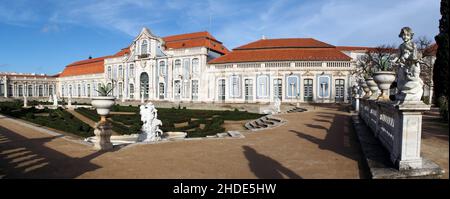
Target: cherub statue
x,y
408,75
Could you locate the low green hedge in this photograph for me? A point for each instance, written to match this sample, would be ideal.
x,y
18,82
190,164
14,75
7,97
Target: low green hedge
x,y
57,119
213,120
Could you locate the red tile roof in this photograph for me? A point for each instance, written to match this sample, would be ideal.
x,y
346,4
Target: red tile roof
x,y
353,48
282,50
190,40
196,39
285,43
122,52
84,67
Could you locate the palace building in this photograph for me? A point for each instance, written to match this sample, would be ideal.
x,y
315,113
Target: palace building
x,y
196,67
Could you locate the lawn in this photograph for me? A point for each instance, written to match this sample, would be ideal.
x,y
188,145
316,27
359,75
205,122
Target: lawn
x,y
57,119
197,123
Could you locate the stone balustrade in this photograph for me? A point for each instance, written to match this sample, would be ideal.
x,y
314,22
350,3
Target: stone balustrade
x,y
398,127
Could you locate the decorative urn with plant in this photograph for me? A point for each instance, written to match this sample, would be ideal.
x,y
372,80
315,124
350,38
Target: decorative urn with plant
x,y
104,101
385,76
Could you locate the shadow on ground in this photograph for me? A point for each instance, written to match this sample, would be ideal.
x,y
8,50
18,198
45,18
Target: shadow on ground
x,y
265,167
36,160
340,136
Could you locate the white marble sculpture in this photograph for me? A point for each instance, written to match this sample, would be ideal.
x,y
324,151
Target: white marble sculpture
x,y
25,104
409,84
55,100
50,98
69,103
276,105
150,128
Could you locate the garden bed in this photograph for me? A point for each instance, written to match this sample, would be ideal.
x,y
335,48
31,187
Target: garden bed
x,y
57,119
197,123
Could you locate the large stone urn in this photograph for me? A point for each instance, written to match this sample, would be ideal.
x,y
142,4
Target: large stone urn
x,y
366,89
373,88
103,130
384,79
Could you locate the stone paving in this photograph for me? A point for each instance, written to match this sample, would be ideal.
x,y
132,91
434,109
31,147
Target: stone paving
x,y
319,143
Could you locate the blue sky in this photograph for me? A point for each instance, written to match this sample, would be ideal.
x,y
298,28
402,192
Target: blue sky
x,y
43,36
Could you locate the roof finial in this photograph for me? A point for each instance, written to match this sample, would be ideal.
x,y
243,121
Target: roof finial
x,y
90,57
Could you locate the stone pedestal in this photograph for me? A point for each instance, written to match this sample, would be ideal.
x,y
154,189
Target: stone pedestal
x,y
103,134
406,151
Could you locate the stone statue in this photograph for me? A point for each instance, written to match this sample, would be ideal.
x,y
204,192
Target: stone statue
x,y
50,98
276,105
150,128
55,100
409,84
25,104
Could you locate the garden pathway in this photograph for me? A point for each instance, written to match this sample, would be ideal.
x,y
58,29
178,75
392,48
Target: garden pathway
x,y
318,143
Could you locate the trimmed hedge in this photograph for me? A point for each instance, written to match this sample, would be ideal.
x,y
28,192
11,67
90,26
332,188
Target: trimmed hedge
x,y
57,119
213,120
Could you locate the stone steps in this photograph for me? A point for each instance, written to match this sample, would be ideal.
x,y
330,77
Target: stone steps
x,y
263,123
296,110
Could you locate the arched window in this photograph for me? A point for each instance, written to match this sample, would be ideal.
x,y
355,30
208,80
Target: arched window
x,y
88,90
109,72
144,46
41,90
131,72
20,90
79,90
195,65
177,66
30,90
162,68
186,68
120,71
144,85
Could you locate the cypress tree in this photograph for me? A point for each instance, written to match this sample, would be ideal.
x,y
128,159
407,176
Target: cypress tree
x,y
440,71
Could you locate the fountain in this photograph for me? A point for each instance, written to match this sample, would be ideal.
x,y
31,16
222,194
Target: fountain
x,y
150,131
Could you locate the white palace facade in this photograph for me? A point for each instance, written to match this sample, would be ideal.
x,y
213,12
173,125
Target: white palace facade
x,y
196,67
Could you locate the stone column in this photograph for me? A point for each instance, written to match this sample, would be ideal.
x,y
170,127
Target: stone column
x,y
103,134
406,151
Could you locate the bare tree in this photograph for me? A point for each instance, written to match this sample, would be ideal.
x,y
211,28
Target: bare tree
x,y
427,57
375,59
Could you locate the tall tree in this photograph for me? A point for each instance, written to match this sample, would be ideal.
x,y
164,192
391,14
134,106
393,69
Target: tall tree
x,y
440,72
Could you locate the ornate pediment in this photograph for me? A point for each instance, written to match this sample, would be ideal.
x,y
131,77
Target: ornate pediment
x,y
308,73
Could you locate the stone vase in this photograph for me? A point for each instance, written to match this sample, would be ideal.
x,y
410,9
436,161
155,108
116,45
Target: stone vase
x,y
103,130
366,90
373,88
384,79
103,104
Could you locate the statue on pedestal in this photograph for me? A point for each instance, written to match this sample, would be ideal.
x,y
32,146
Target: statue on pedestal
x,y
409,83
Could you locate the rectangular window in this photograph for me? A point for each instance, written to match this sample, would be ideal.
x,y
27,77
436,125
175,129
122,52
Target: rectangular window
x,y
277,89
194,89
177,90
323,86
340,89
235,83
308,88
248,89
221,89
263,86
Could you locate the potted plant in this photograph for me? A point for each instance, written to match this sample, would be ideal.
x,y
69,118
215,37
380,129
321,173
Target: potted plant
x,y
104,101
381,58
